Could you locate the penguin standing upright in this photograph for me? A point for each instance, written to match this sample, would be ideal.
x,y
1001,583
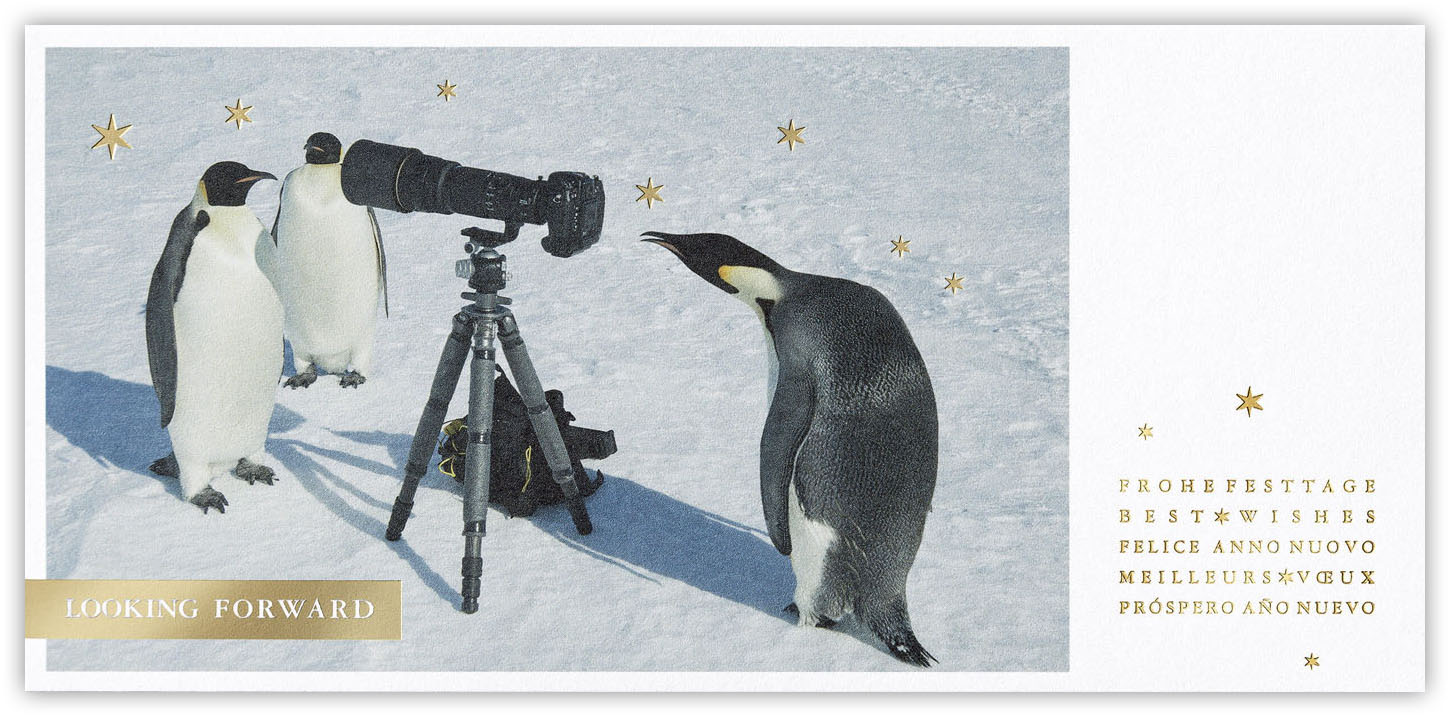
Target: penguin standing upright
x,y
848,456
214,338
330,269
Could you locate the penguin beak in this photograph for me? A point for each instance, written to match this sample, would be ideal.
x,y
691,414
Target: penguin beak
x,y
257,176
666,245
703,266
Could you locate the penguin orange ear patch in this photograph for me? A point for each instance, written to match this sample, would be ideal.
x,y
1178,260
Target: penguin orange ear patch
x,y
725,272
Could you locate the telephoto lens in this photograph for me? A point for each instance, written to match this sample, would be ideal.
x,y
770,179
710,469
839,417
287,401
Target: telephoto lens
x,y
404,179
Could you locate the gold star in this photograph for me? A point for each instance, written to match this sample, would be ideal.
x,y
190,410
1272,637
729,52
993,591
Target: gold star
x,y
111,136
649,192
1221,516
1312,661
1249,402
239,114
445,90
898,245
1286,577
954,283
1145,432
791,135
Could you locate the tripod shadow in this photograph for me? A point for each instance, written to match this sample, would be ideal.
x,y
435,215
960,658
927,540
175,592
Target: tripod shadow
x,y
398,445
644,531
118,422
326,487
637,529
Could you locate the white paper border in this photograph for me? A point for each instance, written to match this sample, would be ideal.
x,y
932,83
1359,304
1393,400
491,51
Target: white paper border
x,y
1084,43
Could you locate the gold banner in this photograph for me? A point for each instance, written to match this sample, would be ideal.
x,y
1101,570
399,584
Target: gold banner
x,y
214,609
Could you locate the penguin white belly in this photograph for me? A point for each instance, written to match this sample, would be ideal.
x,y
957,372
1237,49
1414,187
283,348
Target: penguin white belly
x,y
810,540
329,269
228,323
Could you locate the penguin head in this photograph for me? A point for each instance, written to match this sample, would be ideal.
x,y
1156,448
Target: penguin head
x,y
226,184
323,148
726,262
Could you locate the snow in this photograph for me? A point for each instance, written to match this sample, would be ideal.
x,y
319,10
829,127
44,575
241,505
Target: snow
x,y
961,151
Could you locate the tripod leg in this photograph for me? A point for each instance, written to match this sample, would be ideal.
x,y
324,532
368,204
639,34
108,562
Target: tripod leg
x,y
445,380
480,460
545,428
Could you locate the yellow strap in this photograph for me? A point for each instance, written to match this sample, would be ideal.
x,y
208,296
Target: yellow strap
x,y
528,467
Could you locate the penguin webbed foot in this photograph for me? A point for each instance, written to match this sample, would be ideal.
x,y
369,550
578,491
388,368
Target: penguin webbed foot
x,y
166,466
253,473
208,498
302,380
821,621
351,379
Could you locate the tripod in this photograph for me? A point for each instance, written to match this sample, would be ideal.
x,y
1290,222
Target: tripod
x,y
484,320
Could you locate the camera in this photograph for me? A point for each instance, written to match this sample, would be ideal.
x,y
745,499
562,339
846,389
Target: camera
x,y
404,179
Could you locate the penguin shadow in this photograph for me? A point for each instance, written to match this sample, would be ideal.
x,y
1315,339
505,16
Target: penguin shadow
x,y
118,422
327,488
644,532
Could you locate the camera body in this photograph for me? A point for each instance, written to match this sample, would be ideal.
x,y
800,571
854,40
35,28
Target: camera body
x,y
404,179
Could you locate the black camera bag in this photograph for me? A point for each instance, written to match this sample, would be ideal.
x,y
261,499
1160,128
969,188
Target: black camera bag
x,y
519,476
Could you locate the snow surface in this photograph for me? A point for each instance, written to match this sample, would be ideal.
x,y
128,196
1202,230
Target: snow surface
x,y
962,151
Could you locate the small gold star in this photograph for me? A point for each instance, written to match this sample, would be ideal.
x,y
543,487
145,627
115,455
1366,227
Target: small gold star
x,y
1286,577
1145,432
1312,661
445,90
239,114
649,192
898,245
1221,516
1249,402
111,136
954,283
791,135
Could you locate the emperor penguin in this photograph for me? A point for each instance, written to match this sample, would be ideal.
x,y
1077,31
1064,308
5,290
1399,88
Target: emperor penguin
x,y
214,338
330,269
848,456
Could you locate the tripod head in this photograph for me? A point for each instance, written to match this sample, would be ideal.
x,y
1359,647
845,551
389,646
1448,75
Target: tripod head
x,y
478,236
484,267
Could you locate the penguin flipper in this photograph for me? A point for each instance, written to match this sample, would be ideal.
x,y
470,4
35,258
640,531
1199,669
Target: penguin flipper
x,y
161,300
382,258
785,429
